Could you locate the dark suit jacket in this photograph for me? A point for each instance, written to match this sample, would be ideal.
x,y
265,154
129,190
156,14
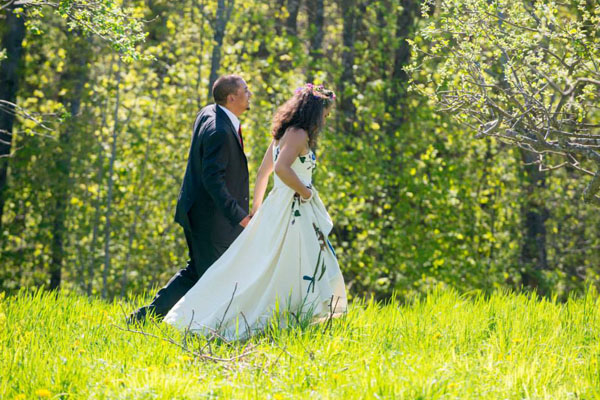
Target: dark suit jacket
x,y
214,194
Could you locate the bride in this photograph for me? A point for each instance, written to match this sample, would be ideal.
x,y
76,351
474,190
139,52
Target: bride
x,y
282,260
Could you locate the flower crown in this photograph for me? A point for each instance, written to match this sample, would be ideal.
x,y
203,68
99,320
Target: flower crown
x,y
327,95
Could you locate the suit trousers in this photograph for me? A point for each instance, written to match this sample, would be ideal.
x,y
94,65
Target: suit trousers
x,y
202,254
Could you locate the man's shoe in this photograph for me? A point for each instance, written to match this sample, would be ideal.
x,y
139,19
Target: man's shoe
x,y
139,316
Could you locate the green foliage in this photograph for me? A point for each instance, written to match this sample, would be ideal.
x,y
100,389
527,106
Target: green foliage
x,y
515,72
106,19
415,201
435,347
526,73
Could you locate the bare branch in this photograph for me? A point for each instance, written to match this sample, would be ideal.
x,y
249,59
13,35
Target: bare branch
x,y
592,188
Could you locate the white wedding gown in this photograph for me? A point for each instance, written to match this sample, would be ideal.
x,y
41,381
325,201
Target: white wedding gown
x,y
281,261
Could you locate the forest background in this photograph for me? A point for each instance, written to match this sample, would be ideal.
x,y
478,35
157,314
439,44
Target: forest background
x,y
97,100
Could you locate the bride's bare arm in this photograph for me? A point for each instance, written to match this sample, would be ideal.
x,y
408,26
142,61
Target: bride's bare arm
x,y
262,179
292,145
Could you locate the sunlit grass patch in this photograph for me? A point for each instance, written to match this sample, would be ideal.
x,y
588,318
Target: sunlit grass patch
x,y
441,346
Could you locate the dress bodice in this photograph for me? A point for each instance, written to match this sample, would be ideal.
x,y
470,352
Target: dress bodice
x,y
303,166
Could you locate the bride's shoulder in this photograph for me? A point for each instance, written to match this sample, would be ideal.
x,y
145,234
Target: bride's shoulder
x,y
295,134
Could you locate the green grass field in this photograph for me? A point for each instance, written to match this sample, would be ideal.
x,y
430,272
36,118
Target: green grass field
x,y
443,346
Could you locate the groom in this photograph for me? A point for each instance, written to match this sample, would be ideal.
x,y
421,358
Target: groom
x,y
213,202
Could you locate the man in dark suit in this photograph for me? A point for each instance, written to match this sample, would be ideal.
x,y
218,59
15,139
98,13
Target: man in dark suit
x,y
213,202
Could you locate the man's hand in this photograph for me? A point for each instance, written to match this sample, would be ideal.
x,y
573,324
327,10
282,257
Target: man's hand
x,y
245,221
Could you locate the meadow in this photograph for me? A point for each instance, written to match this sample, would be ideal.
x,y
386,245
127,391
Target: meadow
x,y
439,346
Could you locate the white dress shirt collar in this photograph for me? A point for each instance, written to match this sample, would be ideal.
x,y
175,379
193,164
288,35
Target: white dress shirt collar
x,y
234,120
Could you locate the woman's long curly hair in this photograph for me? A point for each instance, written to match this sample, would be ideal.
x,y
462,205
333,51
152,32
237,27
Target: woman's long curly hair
x,y
305,111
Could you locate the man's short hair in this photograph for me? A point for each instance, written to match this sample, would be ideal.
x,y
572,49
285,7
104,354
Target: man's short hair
x,y
224,86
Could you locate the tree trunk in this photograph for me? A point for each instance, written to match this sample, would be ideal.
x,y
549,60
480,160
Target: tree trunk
x,y
405,21
316,19
91,262
533,258
74,78
291,25
346,92
136,200
13,33
382,11
199,101
222,17
113,156
534,215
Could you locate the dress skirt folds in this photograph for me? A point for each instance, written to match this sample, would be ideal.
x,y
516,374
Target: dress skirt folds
x,y
281,261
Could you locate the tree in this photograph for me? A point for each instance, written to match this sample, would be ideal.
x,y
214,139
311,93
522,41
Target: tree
x,y
405,23
416,201
101,18
524,72
12,40
72,80
224,9
293,7
352,15
316,19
